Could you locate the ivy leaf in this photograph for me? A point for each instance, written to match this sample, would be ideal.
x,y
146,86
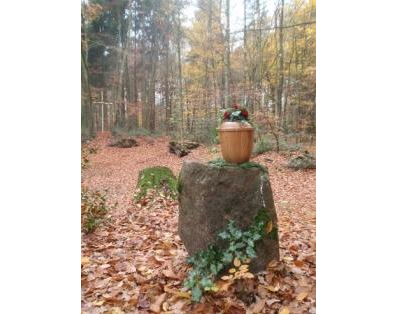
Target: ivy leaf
x,y
213,268
250,242
254,237
227,258
196,294
206,282
240,245
224,235
250,252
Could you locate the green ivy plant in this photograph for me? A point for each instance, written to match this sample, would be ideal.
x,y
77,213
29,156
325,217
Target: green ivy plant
x,y
208,264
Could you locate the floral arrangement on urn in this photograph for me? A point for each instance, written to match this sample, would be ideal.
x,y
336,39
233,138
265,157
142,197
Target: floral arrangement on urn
x,y
236,113
236,135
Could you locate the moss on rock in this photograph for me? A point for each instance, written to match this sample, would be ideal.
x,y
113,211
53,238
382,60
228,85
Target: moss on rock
x,y
221,163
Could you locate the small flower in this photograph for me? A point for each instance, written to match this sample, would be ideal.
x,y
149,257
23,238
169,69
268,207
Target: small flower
x,y
226,115
244,113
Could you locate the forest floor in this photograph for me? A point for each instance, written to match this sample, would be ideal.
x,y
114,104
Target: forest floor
x,y
136,262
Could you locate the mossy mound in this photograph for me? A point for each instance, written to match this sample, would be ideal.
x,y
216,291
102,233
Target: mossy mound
x,y
305,161
158,178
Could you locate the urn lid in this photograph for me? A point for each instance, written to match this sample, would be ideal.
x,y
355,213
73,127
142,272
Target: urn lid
x,y
229,126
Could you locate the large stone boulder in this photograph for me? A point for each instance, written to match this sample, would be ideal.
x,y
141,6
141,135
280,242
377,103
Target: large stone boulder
x,y
210,196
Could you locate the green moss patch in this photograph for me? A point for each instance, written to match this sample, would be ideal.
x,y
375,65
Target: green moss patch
x,y
221,163
158,178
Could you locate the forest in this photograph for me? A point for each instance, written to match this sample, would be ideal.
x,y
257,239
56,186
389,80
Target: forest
x,y
145,70
198,156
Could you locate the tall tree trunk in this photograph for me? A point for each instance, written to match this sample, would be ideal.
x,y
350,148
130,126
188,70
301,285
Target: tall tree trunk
x,y
281,60
167,100
244,53
180,82
227,56
135,112
89,112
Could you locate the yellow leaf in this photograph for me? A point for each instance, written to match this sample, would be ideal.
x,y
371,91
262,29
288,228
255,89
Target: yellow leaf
x,y
301,296
182,294
165,306
284,310
214,289
272,288
142,268
223,285
269,227
237,262
288,258
248,275
232,270
85,260
98,303
115,310
244,268
226,278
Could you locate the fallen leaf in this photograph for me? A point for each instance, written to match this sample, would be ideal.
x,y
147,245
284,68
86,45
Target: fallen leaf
x,y
170,274
269,227
258,306
182,294
142,268
98,303
237,262
85,260
232,270
262,291
244,268
272,288
203,308
299,263
178,306
234,308
284,310
225,278
302,295
165,306
223,285
115,310
104,266
156,306
272,301
273,263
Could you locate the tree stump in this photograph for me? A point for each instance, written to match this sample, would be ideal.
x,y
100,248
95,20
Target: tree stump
x,y
210,196
124,143
304,161
181,149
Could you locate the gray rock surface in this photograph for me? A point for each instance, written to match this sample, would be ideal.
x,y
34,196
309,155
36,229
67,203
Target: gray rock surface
x,y
210,196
